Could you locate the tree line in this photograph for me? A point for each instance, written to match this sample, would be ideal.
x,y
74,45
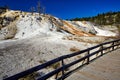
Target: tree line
x,y
108,18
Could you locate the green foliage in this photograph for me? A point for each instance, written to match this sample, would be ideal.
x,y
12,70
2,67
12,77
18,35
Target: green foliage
x,y
108,18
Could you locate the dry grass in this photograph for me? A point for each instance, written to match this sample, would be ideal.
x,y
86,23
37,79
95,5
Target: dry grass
x,y
30,76
85,39
74,49
55,65
79,56
42,61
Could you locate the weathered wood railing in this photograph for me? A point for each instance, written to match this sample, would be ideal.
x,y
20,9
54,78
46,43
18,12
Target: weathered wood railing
x,y
98,49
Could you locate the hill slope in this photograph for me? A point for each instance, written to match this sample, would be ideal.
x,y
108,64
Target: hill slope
x,y
27,39
17,24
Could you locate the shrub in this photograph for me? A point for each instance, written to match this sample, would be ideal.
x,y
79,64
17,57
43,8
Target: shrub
x,y
30,76
74,49
42,61
55,65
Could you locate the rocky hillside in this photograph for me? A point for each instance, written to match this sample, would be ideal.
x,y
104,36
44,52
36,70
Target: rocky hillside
x,y
29,39
18,24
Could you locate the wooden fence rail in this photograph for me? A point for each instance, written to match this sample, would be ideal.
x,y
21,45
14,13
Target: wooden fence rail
x,y
112,45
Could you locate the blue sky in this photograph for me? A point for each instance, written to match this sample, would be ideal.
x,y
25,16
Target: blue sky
x,y
66,9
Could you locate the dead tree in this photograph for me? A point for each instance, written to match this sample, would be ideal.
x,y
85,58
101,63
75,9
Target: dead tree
x,y
43,10
38,7
32,10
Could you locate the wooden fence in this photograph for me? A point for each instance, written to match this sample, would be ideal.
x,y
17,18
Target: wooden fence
x,y
100,49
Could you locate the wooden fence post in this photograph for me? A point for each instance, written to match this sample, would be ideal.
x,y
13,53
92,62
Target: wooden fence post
x,y
113,45
88,59
63,68
101,49
118,42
